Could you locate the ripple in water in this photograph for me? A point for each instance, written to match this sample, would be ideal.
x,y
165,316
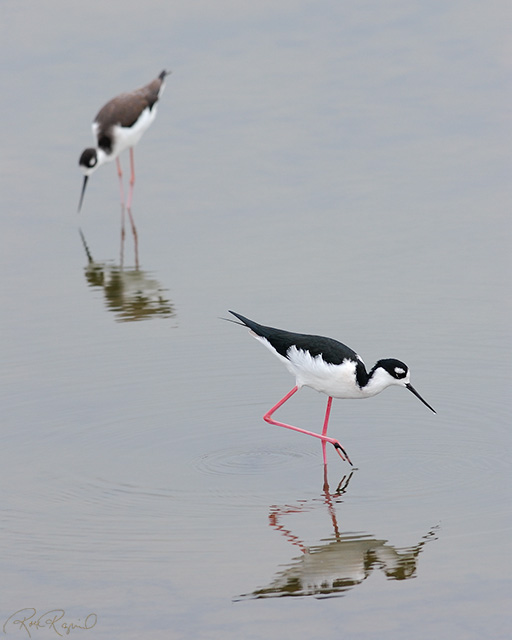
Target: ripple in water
x,y
253,461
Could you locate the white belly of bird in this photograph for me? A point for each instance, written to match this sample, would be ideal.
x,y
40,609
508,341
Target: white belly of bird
x,y
335,380
126,137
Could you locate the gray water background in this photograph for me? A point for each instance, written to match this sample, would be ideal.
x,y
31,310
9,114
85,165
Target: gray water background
x,y
331,168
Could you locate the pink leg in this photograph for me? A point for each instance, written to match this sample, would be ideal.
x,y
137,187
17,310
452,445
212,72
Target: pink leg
x,y
326,423
128,206
323,437
132,180
120,176
324,433
121,191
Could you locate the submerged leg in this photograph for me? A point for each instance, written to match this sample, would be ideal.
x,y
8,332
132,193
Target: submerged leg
x,y
122,235
323,437
135,238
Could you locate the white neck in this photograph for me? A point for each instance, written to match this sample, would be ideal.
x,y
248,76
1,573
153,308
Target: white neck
x,y
102,157
381,380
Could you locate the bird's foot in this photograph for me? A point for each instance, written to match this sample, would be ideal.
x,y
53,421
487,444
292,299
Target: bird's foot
x,y
342,453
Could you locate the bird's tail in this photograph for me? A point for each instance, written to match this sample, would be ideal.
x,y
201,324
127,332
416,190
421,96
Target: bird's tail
x,y
245,322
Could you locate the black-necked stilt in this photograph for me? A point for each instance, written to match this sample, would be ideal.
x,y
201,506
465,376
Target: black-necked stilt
x,y
119,125
328,366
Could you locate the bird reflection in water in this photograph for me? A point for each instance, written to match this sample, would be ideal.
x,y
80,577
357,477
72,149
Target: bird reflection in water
x,y
341,561
130,293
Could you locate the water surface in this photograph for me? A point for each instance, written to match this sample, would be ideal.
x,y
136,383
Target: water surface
x,y
321,168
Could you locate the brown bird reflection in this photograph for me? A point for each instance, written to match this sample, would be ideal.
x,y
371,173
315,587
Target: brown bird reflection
x,y
131,294
338,563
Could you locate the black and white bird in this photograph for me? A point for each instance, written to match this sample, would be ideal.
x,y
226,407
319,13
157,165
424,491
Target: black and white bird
x,y
330,367
119,125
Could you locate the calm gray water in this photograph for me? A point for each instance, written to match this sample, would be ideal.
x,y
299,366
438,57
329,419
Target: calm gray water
x,y
331,168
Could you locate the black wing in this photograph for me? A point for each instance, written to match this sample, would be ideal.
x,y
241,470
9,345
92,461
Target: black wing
x,y
331,350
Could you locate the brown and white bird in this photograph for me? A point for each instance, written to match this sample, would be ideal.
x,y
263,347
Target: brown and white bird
x,y
119,125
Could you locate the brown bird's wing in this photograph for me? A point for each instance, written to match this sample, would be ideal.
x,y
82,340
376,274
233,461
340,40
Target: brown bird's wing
x,y
124,109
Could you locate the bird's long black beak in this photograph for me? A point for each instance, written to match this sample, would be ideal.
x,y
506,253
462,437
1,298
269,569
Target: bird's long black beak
x,y
411,388
83,192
